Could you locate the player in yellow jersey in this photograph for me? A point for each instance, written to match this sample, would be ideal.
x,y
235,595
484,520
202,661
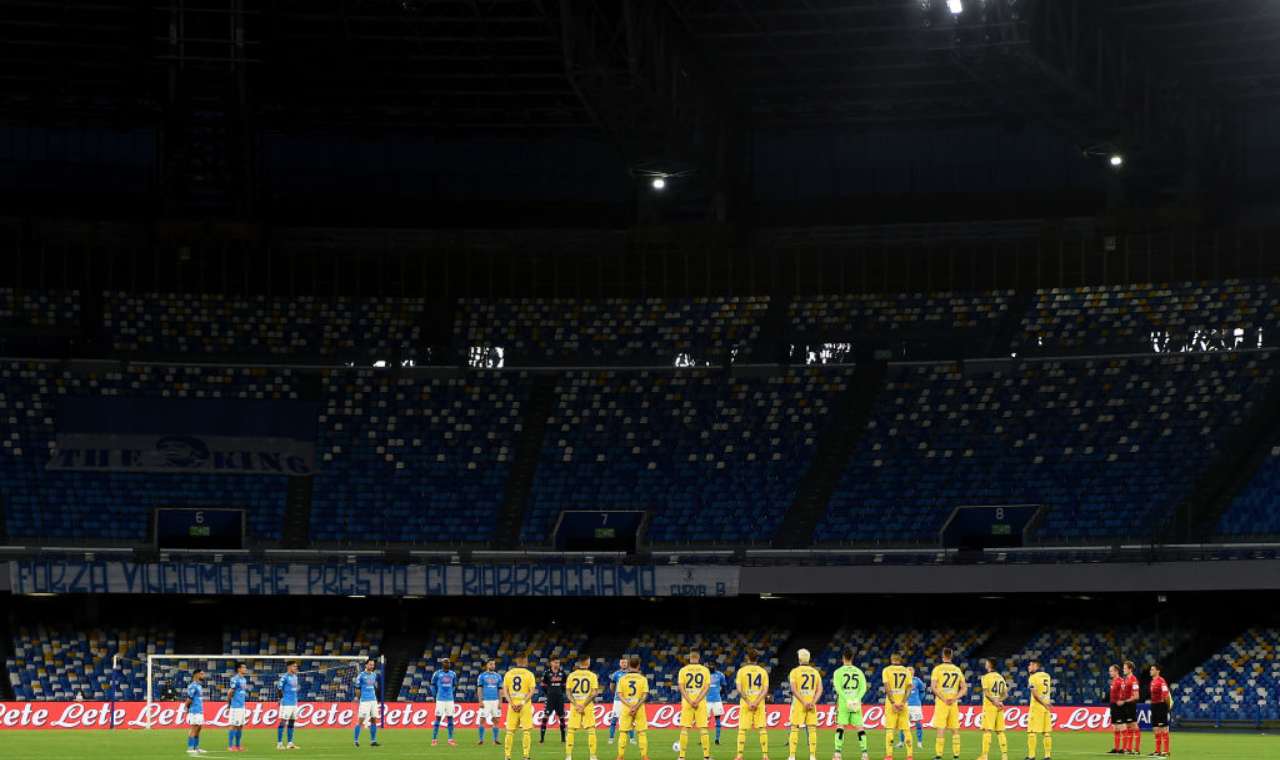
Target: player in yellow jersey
x,y
632,690
517,688
581,687
806,690
897,687
994,691
693,681
753,688
948,684
1040,711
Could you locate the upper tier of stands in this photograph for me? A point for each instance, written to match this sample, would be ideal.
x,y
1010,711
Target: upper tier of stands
x,y
1166,317
39,309
1239,682
203,325
615,330
1106,444
46,503
690,447
413,459
881,314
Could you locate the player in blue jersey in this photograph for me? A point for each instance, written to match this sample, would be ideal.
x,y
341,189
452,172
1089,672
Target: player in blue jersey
x,y
915,711
489,695
287,688
194,704
617,702
237,693
715,698
369,692
443,683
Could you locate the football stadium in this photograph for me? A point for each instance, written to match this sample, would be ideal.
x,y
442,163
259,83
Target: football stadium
x,y
640,379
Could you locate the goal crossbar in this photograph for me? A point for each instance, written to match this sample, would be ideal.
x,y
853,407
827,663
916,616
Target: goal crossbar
x,y
159,659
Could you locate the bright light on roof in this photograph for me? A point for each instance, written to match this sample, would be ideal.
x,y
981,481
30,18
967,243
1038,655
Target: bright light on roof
x,y
1116,160
659,183
955,6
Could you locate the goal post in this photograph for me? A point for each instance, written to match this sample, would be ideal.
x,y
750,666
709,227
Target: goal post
x,y
322,678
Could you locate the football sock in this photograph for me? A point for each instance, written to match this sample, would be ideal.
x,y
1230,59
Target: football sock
x,y
839,739
591,741
813,741
1048,746
888,744
938,744
279,733
569,742
613,728
986,743
955,744
358,732
1117,740
506,746
1031,744
526,741
435,730
919,733
1003,741
717,729
449,727
793,741
642,738
704,738
289,732
684,741
862,740
742,742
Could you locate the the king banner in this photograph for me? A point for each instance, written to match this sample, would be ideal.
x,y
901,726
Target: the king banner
x,y
215,436
418,715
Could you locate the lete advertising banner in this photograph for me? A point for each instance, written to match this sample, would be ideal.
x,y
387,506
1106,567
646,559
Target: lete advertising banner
x,y
93,715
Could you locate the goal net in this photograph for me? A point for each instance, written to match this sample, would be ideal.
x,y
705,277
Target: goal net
x,y
320,678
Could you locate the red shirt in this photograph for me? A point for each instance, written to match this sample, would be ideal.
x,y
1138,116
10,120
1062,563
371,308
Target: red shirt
x,y
1117,690
1131,688
1159,691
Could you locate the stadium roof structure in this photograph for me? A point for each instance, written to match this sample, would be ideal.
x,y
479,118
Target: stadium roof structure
x,y
674,84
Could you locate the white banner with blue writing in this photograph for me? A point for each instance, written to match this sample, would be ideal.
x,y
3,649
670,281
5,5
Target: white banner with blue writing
x,y
110,576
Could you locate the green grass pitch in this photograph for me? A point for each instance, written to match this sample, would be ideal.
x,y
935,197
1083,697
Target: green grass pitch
x,y
405,744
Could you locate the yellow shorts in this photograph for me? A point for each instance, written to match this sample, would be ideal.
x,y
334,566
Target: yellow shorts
x,y
581,718
897,720
946,716
521,717
749,719
693,717
802,715
992,719
628,721
1039,721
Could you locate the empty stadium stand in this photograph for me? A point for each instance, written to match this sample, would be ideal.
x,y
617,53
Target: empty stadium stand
x,y
1255,511
1169,317
1239,683
117,505
847,315
652,331
1105,444
39,309
688,446
168,324
414,459
59,662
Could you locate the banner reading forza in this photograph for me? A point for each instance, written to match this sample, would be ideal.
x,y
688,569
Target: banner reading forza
x,y
113,576
87,715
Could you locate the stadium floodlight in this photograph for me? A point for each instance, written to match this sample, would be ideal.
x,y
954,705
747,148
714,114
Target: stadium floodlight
x,y
1116,160
323,678
955,6
659,183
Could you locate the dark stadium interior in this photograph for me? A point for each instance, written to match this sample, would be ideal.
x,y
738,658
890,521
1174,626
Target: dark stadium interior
x,y
425,328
